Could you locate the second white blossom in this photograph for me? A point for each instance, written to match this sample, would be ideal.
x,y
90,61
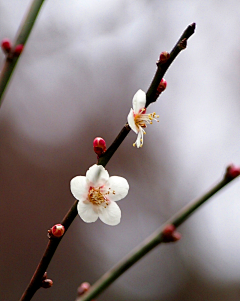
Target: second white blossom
x,y
137,117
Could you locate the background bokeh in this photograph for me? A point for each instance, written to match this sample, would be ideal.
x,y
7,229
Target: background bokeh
x,y
75,81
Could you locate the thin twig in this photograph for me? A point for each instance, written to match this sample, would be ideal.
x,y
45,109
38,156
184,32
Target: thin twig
x,y
35,282
21,39
53,243
151,242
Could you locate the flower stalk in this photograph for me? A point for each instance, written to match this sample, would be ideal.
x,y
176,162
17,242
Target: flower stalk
x,y
152,241
20,40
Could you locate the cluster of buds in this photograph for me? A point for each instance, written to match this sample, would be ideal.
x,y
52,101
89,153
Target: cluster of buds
x,y
56,231
161,87
169,234
46,283
6,46
99,146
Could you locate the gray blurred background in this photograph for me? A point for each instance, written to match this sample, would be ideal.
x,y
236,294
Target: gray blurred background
x,y
75,81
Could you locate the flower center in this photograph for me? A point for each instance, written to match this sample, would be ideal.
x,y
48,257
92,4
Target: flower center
x,y
96,197
142,119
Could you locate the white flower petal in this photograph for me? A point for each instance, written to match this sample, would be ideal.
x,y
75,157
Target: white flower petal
x,y
79,187
111,215
119,186
139,137
87,212
97,175
139,101
131,121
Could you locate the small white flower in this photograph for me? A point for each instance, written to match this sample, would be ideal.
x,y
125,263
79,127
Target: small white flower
x,y
137,119
97,194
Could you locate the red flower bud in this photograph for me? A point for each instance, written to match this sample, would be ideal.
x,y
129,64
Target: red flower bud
x,y
57,230
232,172
6,45
83,288
18,50
47,283
168,230
164,56
162,86
169,234
99,146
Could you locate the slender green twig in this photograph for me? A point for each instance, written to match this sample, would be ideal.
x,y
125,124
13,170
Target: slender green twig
x,y
35,282
21,39
151,242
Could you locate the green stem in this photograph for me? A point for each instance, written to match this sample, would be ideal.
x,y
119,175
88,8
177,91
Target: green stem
x,y
148,244
21,38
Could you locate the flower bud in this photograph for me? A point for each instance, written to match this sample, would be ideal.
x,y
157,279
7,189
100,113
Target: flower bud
x,y
6,45
164,56
169,234
83,288
182,44
99,146
232,172
56,231
162,86
168,230
18,50
47,283
44,276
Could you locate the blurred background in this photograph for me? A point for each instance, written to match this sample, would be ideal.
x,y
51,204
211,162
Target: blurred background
x,y
82,65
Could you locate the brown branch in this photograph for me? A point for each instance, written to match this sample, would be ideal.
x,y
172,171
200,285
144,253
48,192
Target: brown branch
x,y
36,280
151,93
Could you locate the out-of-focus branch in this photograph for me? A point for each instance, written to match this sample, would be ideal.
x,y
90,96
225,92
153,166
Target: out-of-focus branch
x,y
20,40
36,280
155,239
152,91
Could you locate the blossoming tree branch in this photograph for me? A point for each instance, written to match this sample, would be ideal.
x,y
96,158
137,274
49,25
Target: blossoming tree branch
x,y
97,194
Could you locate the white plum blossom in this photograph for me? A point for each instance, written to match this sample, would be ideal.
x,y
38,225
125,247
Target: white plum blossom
x,y
97,194
137,119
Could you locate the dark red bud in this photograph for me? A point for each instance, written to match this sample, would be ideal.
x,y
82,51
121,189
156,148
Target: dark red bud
x,y
169,234
168,230
47,283
164,56
18,50
6,45
232,172
162,86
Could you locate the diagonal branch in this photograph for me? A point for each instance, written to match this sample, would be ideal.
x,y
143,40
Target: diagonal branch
x,y
35,282
152,241
161,70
